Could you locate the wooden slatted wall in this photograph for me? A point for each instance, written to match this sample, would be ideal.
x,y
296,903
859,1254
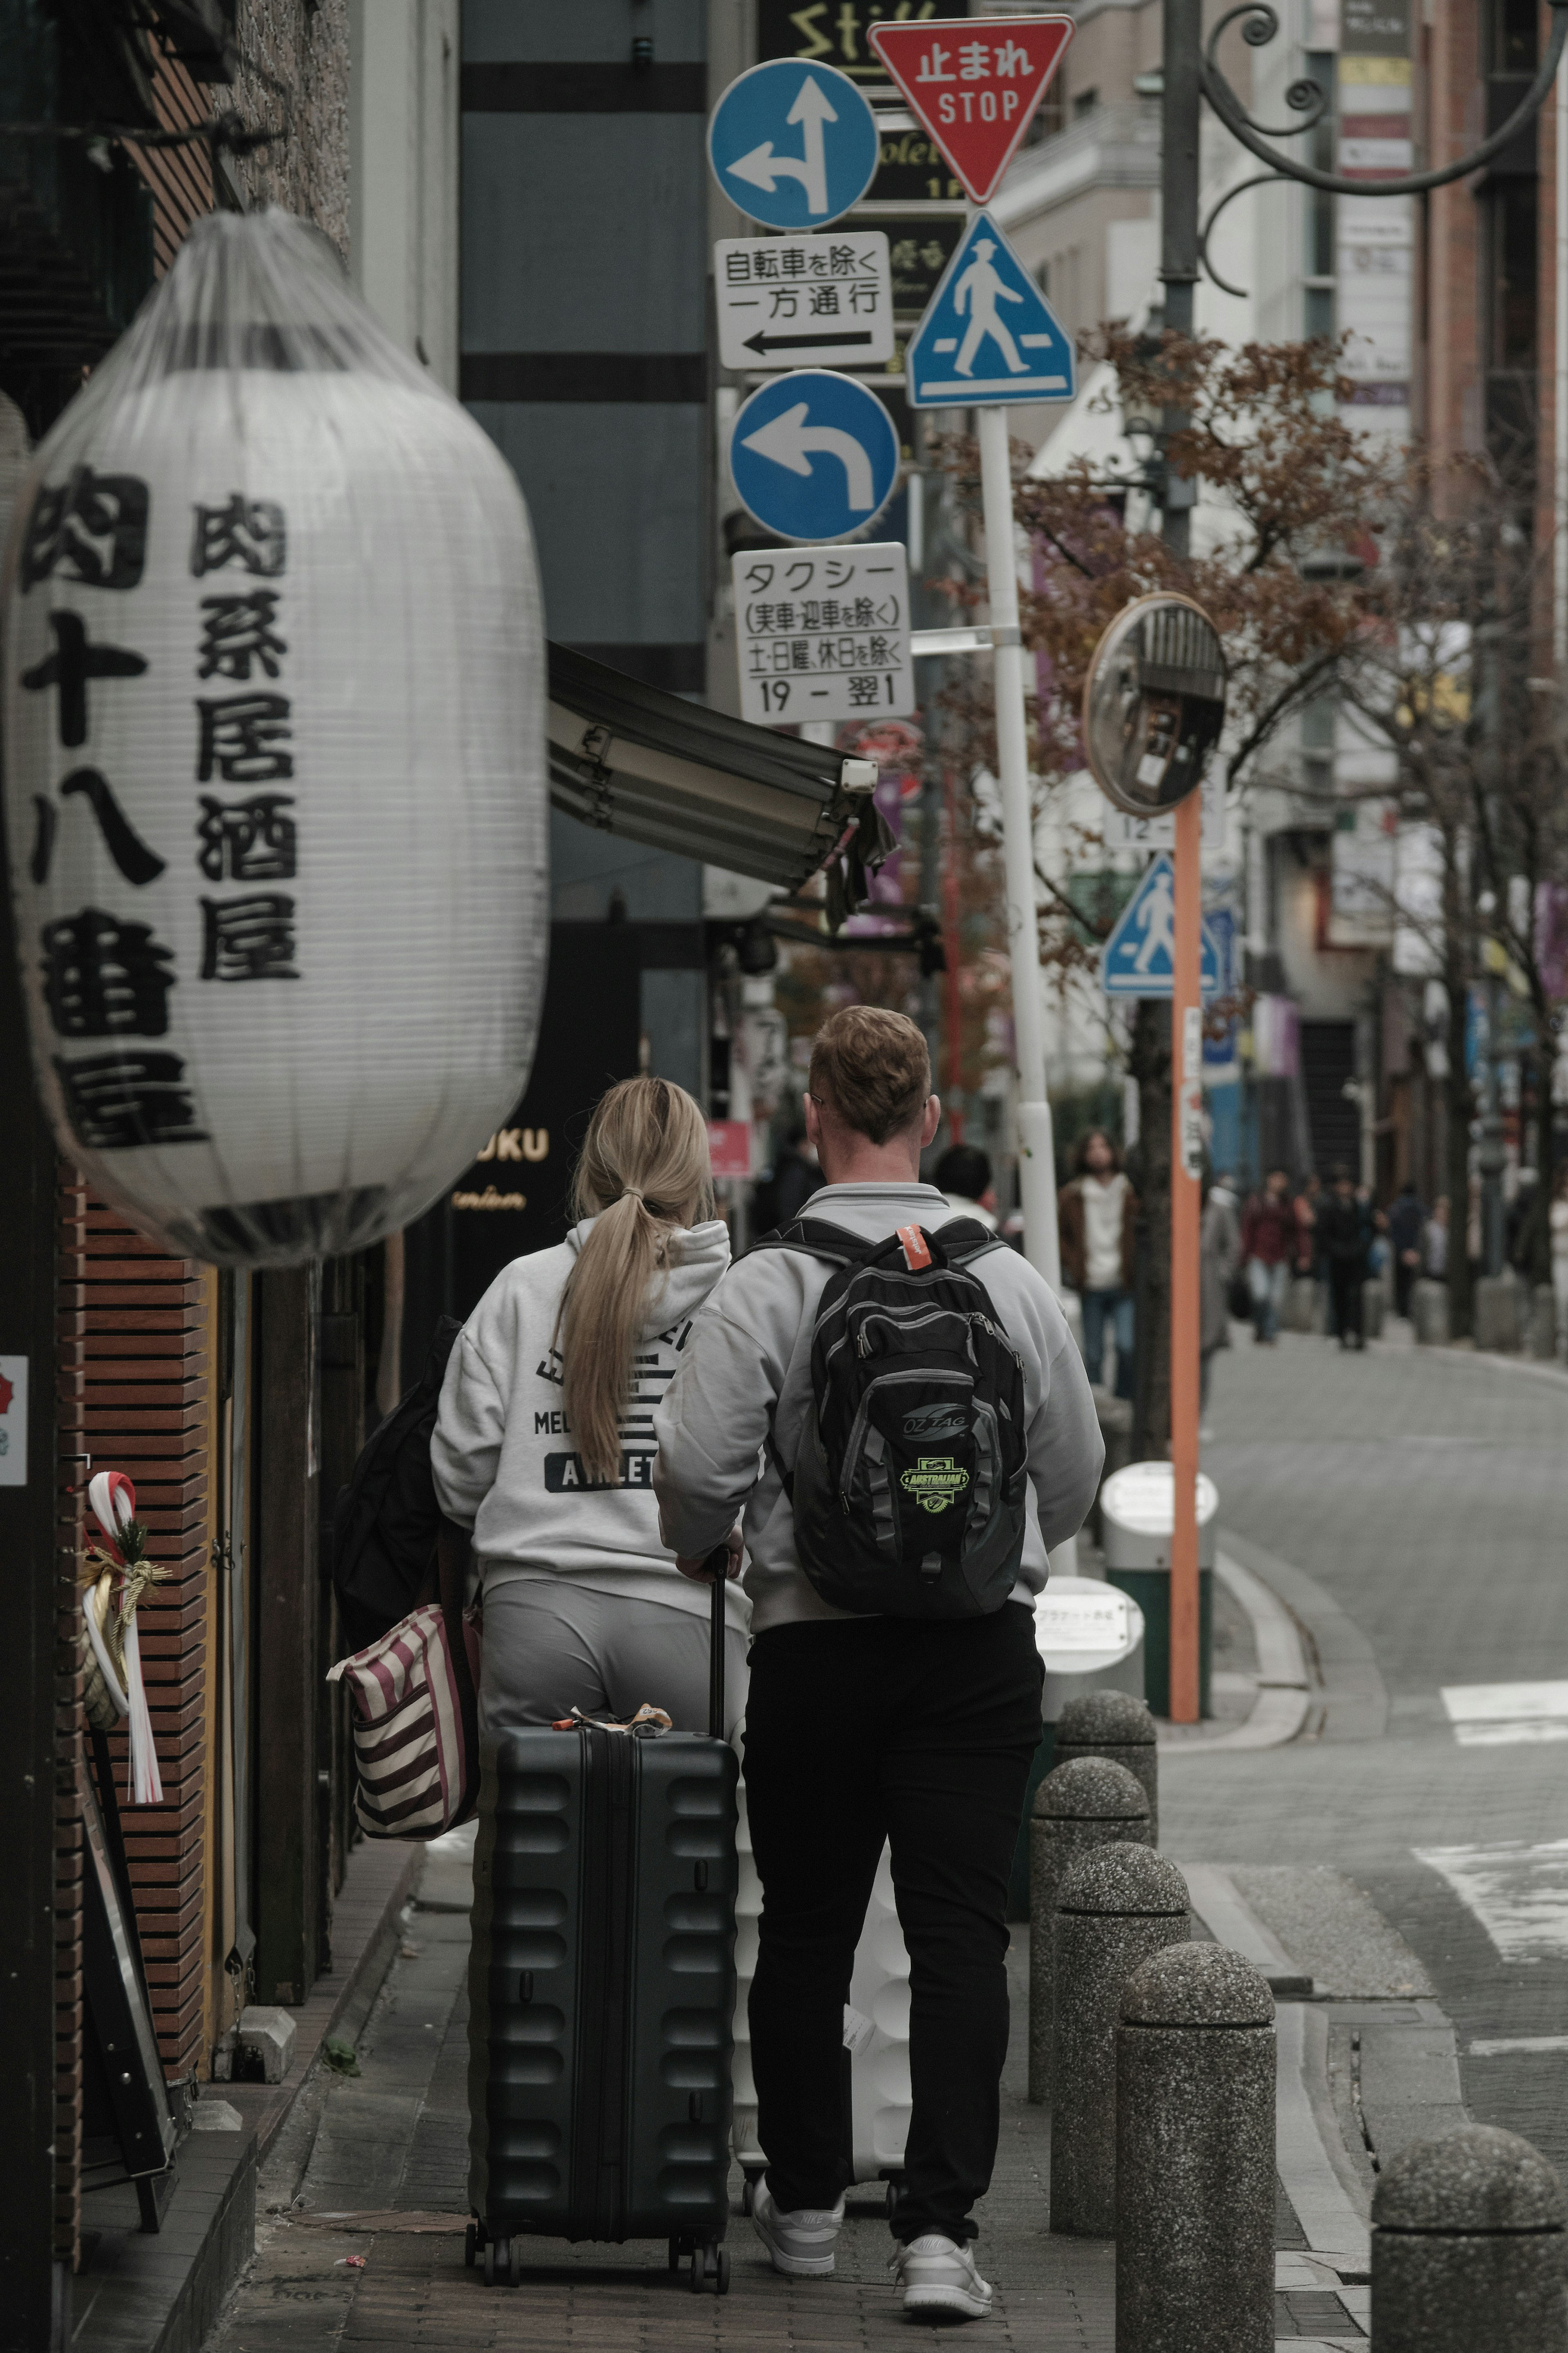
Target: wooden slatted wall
x,y
144,1410
70,1277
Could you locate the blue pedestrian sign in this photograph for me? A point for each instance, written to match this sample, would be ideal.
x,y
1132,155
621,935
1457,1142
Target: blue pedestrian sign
x,y
988,333
1136,959
794,145
814,456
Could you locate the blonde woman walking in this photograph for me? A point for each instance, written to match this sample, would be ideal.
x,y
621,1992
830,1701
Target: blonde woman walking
x,y
544,1443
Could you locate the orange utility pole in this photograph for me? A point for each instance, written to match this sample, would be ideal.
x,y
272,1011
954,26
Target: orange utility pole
x,y
1186,1165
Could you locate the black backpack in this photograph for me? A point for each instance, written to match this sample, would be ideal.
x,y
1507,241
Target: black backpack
x,y
387,1519
908,1490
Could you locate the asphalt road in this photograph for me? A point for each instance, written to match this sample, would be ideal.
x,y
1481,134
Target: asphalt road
x,y
1427,1492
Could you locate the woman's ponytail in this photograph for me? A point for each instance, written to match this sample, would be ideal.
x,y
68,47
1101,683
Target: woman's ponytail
x,y
643,1172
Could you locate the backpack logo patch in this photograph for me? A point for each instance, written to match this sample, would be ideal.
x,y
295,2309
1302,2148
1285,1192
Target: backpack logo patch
x,y
935,1482
930,1422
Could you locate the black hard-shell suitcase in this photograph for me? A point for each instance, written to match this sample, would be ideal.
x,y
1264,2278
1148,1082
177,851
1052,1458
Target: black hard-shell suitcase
x,y
602,1987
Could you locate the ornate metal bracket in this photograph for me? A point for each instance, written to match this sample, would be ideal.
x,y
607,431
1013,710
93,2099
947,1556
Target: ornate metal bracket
x,y
1307,99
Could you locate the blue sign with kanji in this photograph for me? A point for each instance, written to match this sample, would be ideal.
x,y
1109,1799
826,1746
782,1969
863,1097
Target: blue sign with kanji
x,y
989,335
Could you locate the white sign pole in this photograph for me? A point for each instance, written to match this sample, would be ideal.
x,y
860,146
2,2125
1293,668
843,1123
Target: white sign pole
x,y
1036,1152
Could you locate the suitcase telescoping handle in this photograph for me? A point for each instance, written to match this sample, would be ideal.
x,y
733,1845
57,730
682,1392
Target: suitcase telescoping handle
x,y
717,1565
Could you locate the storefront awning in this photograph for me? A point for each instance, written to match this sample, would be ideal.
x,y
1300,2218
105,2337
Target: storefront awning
x,y
632,760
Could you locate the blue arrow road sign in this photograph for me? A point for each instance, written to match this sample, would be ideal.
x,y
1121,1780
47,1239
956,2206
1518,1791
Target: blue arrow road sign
x,y
988,333
814,456
794,145
1136,959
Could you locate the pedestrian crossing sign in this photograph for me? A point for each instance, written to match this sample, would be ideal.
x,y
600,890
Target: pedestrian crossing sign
x,y
989,335
1136,959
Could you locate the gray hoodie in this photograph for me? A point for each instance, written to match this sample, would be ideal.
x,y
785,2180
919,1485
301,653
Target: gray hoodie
x,y
501,1453
746,1371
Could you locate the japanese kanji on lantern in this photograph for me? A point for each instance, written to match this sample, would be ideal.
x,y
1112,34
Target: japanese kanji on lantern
x,y
275,782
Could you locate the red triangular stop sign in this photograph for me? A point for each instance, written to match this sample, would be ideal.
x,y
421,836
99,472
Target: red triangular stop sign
x,y
973,83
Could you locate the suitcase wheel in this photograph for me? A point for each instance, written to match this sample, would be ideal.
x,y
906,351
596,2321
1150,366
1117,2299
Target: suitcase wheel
x,y
503,2262
709,2271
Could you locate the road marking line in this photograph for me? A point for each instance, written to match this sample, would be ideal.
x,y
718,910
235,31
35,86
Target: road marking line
x,y
1496,2046
1518,1891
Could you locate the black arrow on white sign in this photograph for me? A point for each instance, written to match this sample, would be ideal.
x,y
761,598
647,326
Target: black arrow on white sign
x,y
761,342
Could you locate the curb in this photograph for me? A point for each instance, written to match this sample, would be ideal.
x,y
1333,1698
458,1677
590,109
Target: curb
x,y
1349,1700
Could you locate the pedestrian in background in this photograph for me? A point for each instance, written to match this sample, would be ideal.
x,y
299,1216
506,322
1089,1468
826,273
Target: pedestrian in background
x,y
1344,1234
543,1445
962,1177
1434,1241
914,1729
781,1197
1271,1245
1097,1215
1309,1201
1560,1252
1219,1255
1406,1216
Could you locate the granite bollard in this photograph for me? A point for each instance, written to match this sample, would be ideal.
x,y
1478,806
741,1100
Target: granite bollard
x,y
1429,1312
1468,2248
1115,1906
1088,1803
1113,1724
1195,2156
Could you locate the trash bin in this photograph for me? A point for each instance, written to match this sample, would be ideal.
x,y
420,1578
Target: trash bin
x,y
1090,1637
1136,1510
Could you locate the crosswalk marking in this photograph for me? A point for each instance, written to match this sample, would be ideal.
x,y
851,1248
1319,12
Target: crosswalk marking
x,y
1518,1891
1497,1716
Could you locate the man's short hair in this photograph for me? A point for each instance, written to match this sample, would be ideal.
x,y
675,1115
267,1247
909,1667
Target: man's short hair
x,y
872,1068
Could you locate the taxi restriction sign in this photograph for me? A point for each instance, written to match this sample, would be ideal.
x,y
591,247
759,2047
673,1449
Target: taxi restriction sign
x,y
973,83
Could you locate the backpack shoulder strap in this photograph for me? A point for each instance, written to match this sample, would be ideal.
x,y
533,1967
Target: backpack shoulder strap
x,y
818,1239
964,1239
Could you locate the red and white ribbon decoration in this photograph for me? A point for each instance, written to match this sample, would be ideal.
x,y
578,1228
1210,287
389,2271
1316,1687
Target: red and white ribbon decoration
x,y
113,1501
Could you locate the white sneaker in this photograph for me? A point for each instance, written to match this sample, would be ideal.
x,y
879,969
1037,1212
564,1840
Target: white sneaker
x,y
937,2275
800,2245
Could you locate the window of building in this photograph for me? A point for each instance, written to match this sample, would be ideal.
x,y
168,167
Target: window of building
x,y
1085,102
1320,308
1509,36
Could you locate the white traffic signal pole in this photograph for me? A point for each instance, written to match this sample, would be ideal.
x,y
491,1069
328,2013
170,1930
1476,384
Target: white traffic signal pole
x,y
1036,1151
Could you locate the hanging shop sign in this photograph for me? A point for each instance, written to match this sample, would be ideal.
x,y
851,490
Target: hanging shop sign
x,y
275,782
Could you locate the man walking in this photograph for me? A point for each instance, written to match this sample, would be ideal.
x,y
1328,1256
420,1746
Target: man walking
x,y
1343,1233
1406,1220
1270,1242
916,1729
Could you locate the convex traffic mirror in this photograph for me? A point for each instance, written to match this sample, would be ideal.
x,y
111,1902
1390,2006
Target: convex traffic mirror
x,y
1154,703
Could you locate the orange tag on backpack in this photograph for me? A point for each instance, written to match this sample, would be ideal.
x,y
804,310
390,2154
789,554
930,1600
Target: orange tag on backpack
x,y
917,1250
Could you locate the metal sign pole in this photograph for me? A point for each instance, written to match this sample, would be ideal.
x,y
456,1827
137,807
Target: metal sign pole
x,y
1036,1153
1187,1167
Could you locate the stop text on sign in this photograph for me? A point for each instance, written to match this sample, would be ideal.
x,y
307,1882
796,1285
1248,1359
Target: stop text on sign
x,y
974,83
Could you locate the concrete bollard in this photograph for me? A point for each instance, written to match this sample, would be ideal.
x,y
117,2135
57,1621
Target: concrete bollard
x,y
1468,2248
1115,1906
1302,1308
1115,1725
1195,2156
1088,1803
1429,1312
1542,1325
1372,1306
1496,1313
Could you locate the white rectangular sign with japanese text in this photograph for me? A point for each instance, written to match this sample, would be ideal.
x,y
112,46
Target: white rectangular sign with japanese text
x,y
804,301
824,633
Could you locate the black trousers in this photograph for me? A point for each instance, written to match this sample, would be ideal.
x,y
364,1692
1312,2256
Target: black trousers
x,y
1345,1279
919,1733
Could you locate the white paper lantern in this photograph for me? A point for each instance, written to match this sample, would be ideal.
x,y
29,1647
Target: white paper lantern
x,y
275,768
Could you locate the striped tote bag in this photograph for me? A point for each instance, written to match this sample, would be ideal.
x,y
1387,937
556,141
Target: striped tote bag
x,y
418,1768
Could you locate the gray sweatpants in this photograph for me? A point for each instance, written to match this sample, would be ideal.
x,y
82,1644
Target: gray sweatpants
x,y
549,1648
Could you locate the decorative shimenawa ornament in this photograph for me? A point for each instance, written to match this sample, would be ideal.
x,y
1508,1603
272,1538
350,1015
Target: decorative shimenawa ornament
x,y
272,657
113,1687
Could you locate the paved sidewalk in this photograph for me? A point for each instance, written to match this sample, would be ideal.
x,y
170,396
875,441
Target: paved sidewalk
x,y
393,2144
